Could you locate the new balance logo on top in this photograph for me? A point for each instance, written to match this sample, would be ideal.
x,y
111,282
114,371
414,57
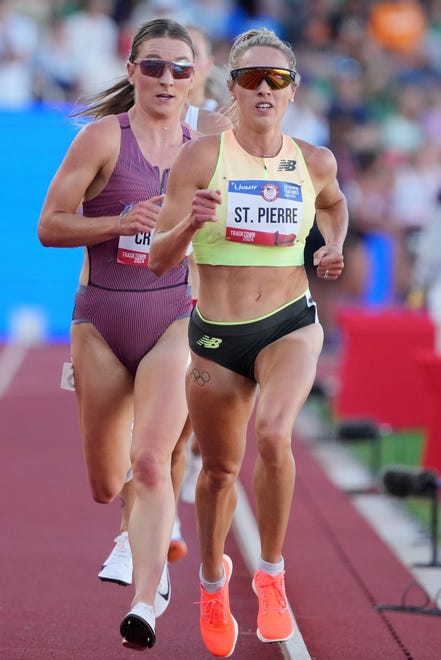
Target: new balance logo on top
x,y
209,342
287,166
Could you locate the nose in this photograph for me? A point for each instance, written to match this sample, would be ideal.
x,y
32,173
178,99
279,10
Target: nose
x,y
167,73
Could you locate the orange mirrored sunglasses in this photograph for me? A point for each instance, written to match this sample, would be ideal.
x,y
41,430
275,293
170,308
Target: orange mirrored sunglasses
x,y
250,77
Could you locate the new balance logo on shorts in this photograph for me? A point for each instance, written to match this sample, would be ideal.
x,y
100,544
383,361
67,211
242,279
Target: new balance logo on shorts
x,y
287,166
209,342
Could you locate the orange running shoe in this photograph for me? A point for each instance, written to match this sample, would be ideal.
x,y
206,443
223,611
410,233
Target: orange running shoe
x,y
178,547
274,621
177,550
218,626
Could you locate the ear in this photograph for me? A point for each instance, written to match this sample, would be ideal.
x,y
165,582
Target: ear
x,y
130,71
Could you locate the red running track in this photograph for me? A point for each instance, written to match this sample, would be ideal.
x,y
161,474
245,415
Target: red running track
x,y
54,538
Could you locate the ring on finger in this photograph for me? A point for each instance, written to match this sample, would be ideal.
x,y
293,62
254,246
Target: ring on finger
x,y
326,274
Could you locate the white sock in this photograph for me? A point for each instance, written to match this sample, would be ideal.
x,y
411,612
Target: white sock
x,y
272,569
176,531
211,587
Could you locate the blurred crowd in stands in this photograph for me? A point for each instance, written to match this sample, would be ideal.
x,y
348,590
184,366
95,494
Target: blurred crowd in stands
x,y
370,91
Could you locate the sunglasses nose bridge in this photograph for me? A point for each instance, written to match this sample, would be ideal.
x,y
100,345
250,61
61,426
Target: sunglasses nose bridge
x,y
167,68
264,79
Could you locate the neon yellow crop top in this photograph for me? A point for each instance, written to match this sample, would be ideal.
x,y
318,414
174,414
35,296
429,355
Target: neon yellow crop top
x,y
264,219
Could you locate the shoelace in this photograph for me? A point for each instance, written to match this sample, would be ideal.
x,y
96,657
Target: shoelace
x,y
213,609
272,593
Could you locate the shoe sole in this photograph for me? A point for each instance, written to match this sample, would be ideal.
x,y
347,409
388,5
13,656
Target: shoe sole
x,y
106,578
115,581
271,641
229,562
236,633
263,639
137,634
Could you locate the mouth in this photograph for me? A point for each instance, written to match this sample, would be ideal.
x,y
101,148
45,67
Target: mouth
x,y
264,106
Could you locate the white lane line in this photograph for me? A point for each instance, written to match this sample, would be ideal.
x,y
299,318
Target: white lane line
x,y
387,515
11,359
247,537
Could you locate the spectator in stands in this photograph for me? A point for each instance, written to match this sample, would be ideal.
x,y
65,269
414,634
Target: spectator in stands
x,y
19,36
92,38
145,10
57,74
425,290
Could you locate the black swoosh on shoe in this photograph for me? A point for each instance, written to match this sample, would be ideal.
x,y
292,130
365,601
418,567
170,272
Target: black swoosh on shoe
x,y
166,595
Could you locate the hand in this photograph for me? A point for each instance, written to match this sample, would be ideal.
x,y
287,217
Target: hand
x,y
203,208
141,217
329,261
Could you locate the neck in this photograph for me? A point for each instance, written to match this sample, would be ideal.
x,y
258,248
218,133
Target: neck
x,y
260,152
148,125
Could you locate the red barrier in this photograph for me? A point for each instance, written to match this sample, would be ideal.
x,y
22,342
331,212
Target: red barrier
x,y
430,364
380,375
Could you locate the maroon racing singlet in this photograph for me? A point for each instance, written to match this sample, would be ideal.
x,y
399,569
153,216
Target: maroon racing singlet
x,y
128,304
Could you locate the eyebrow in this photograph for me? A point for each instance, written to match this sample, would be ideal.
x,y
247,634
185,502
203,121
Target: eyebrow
x,y
155,56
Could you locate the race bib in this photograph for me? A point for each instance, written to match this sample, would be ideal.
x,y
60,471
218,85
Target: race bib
x,y
264,212
134,250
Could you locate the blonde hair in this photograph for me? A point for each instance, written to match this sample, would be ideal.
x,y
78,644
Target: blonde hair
x,y
259,37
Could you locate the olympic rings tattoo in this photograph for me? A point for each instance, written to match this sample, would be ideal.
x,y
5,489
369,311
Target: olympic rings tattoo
x,y
200,377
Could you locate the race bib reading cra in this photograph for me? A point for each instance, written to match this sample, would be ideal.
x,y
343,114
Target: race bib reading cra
x,y
134,250
264,212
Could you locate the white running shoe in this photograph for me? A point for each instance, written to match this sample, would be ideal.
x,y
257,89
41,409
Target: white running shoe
x,y
118,566
163,592
138,628
191,474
